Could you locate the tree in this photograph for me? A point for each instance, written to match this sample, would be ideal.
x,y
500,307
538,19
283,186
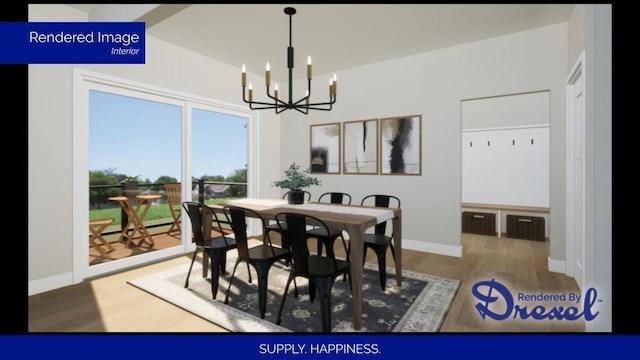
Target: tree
x,y
164,179
99,195
239,176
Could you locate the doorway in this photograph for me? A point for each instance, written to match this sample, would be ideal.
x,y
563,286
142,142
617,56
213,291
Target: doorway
x,y
576,211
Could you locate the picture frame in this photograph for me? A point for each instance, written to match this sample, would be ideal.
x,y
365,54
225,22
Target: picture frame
x,y
325,148
401,145
360,147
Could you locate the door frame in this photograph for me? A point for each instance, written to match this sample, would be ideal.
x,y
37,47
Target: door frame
x,y
575,217
85,80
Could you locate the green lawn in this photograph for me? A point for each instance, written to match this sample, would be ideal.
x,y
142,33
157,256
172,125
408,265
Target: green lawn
x,y
156,212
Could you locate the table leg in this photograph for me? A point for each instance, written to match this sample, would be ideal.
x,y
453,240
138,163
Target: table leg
x,y
126,206
356,250
144,233
397,239
207,219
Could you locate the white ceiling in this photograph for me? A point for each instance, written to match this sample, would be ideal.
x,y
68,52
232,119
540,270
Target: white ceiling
x,y
336,36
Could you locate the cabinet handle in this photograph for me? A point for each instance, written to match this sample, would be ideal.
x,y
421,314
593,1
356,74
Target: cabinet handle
x,y
525,220
478,216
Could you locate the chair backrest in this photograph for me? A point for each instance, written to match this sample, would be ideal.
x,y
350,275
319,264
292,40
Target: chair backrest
x,y
197,212
238,217
335,198
307,195
172,192
380,200
297,238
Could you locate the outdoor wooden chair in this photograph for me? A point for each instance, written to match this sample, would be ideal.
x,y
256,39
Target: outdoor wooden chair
x,y
96,240
174,199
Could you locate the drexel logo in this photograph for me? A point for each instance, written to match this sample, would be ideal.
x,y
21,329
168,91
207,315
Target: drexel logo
x,y
490,293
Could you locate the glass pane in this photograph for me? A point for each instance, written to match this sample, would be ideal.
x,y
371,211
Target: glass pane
x,y
131,138
219,156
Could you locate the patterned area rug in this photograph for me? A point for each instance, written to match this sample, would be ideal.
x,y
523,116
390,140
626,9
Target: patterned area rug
x,y
420,305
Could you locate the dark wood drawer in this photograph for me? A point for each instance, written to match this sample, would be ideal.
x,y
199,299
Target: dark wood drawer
x,y
479,223
525,227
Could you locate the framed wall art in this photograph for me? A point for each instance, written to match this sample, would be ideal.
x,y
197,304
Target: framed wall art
x,y
360,147
325,148
401,145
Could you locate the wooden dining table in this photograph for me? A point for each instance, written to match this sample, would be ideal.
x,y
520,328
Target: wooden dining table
x,y
353,219
135,216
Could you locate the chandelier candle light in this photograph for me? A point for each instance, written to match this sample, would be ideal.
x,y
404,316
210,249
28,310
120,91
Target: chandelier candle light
x,y
303,105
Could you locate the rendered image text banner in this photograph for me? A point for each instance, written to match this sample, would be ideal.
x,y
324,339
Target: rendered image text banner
x,y
72,42
302,346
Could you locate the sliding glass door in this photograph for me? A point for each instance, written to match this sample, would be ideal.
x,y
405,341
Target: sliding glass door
x,y
137,139
126,133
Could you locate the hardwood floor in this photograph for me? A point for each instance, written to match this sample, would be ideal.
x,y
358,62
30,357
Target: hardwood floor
x,y
109,304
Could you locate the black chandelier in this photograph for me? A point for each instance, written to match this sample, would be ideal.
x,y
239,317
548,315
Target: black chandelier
x,y
303,105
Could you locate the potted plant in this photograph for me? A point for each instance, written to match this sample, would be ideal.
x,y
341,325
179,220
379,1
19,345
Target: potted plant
x,y
295,180
130,186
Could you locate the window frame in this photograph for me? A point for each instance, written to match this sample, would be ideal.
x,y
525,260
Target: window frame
x,y
83,82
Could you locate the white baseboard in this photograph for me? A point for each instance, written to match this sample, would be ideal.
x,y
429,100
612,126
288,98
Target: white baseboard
x,y
440,249
50,283
558,266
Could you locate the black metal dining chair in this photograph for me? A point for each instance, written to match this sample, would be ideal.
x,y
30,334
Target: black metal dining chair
x,y
335,198
273,226
327,239
261,257
215,247
321,271
380,240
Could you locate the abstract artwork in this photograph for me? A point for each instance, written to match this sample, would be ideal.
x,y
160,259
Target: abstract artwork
x,y
360,150
325,149
400,145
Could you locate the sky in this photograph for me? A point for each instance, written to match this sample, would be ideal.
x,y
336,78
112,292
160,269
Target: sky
x,y
140,137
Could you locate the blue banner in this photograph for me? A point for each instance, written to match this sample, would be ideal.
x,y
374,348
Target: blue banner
x,y
302,346
72,43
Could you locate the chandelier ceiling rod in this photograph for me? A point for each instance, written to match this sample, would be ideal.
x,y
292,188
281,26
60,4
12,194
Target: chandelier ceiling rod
x,y
303,105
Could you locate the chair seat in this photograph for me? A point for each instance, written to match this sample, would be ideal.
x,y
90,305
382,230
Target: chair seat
x,y
262,252
219,243
376,239
322,232
324,266
275,227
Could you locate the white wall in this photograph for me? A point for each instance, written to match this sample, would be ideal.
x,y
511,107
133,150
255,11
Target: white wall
x,y
598,154
433,84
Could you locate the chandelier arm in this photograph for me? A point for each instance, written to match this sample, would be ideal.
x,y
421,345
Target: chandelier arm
x,y
319,108
299,109
278,102
271,105
266,105
330,102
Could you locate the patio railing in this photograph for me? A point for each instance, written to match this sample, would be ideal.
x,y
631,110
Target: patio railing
x,y
210,192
